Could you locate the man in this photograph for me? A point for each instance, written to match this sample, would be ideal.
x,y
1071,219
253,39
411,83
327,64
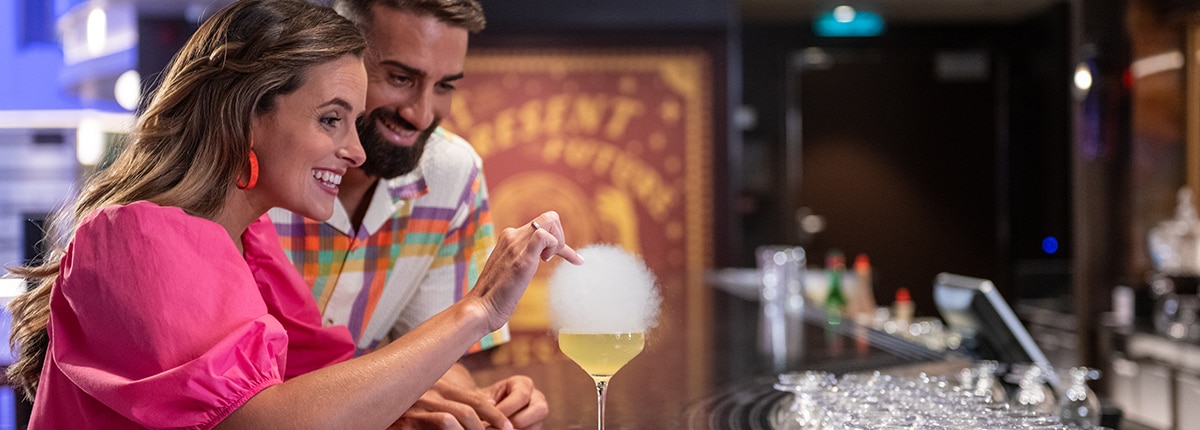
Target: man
x,y
412,229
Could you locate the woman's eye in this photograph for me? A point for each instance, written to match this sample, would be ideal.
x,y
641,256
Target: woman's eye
x,y
330,121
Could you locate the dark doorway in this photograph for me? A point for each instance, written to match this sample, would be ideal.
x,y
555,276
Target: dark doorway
x,y
896,150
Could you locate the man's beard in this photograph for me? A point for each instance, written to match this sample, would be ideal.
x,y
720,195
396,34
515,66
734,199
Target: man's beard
x,y
384,158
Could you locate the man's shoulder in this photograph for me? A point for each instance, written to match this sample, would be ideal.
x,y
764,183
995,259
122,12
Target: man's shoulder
x,y
446,149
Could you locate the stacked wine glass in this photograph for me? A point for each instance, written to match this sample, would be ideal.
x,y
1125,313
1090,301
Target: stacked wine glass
x,y
821,401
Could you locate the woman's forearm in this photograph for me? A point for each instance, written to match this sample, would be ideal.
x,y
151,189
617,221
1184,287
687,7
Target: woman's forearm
x,y
373,390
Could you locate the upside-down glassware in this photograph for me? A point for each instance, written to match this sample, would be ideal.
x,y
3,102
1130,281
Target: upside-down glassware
x,y
1079,405
803,411
879,401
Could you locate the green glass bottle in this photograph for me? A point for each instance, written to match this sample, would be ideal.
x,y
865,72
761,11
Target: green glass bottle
x,y
835,300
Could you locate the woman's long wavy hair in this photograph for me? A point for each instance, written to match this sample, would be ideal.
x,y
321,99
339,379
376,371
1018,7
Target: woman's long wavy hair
x,y
191,143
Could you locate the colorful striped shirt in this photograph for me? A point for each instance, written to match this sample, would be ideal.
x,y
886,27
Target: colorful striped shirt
x,y
422,243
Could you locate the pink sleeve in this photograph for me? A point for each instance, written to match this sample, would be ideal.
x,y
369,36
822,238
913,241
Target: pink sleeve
x,y
157,317
289,299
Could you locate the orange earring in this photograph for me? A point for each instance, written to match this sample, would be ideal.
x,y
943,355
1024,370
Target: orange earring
x,y
253,173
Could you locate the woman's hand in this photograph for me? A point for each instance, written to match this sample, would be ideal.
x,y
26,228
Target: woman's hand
x,y
513,262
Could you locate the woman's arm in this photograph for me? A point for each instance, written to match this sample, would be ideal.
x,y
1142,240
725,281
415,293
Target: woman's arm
x,y
372,391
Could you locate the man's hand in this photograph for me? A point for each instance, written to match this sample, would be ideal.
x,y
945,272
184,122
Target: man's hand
x,y
523,404
451,406
455,402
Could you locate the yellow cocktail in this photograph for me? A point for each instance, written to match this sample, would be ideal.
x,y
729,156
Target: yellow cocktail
x,y
601,355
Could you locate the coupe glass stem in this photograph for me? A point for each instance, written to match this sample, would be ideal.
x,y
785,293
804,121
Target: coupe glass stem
x,y
600,396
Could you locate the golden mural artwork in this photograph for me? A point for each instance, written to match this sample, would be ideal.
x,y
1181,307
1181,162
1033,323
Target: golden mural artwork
x,y
618,143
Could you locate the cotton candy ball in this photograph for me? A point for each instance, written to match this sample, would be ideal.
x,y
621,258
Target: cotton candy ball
x,y
611,292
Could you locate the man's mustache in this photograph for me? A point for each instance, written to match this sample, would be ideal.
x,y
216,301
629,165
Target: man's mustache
x,y
387,115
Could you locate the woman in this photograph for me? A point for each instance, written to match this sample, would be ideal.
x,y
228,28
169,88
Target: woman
x,y
173,306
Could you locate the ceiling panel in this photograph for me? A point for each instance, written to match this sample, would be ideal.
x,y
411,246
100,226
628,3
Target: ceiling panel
x,y
894,11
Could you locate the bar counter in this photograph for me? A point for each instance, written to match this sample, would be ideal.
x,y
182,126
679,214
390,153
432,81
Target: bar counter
x,y
700,376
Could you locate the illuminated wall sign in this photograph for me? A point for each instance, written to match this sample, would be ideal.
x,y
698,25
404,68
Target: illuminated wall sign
x,y
617,141
844,21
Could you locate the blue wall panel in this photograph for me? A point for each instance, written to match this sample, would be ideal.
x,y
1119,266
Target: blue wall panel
x,y
29,72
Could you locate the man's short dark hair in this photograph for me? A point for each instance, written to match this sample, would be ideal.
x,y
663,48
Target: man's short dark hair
x,y
466,14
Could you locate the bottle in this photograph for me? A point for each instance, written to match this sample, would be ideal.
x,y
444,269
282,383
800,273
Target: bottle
x,y
863,305
903,309
835,300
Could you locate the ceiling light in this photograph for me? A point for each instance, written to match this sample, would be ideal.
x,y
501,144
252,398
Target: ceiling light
x,y
97,31
1083,77
128,89
845,21
843,14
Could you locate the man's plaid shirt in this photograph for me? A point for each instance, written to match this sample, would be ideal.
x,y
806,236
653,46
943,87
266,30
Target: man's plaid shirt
x,y
431,227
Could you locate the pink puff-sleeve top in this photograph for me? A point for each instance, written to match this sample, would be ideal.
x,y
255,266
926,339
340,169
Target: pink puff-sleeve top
x,y
156,321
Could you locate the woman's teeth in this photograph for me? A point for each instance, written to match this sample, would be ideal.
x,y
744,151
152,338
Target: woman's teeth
x,y
327,177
